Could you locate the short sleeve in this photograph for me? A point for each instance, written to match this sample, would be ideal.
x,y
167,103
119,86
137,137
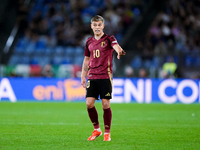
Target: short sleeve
x,y
113,40
87,52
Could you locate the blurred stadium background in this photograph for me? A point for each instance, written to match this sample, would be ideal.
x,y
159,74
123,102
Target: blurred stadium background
x,y
41,53
46,37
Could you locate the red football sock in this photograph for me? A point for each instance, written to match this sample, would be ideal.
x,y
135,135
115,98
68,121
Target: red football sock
x,y
92,112
107,116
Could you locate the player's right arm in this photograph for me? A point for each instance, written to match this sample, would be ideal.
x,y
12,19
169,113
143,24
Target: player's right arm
x,y
84,71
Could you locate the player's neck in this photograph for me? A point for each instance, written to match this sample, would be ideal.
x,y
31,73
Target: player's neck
x,y
97,37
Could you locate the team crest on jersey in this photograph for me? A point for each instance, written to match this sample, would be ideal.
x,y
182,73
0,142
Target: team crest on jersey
x,y
103,44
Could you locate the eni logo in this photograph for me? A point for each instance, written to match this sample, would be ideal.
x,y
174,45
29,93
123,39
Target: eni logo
x,y
74,89
68,89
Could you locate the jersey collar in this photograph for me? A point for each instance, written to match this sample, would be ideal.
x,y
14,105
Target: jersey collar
x,y
100,37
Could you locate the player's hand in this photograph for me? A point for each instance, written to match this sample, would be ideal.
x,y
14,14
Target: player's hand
x,y
83,82
121,53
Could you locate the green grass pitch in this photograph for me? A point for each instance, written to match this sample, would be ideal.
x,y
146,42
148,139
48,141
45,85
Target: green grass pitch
x,y
66,126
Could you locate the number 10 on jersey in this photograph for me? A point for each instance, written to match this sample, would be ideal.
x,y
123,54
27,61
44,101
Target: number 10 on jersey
x,y
96,53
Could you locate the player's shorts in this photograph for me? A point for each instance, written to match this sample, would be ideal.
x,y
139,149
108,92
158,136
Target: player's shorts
x,y
96,87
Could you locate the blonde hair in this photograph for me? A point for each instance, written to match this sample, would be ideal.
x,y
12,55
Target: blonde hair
x,y
98,18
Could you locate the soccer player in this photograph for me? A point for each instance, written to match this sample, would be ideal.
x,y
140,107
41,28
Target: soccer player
x,y
97,66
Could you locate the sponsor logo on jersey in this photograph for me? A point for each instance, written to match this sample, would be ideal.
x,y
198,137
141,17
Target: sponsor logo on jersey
x,y
103,44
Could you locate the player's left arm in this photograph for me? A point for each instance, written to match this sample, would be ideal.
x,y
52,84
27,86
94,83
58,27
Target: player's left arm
x,y
119,50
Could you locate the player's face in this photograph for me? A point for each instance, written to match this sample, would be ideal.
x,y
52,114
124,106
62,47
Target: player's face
x,y
97,27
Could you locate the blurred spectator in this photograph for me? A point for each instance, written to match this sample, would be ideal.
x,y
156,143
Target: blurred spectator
x,y
53,23
195,75
58,29
129,72
169,68
160,49
68,22
142,73
48,71
176,29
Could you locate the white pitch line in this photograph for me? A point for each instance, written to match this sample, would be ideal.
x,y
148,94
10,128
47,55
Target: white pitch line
x,y
86,124
32,123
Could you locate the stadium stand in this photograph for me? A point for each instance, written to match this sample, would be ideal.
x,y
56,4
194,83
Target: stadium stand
x,y
174,32
150,31
57,30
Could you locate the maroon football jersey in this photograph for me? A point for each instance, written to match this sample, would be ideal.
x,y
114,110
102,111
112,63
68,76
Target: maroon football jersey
x,y
100,53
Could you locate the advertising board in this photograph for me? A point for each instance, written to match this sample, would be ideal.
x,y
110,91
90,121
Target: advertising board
x,y
125,90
